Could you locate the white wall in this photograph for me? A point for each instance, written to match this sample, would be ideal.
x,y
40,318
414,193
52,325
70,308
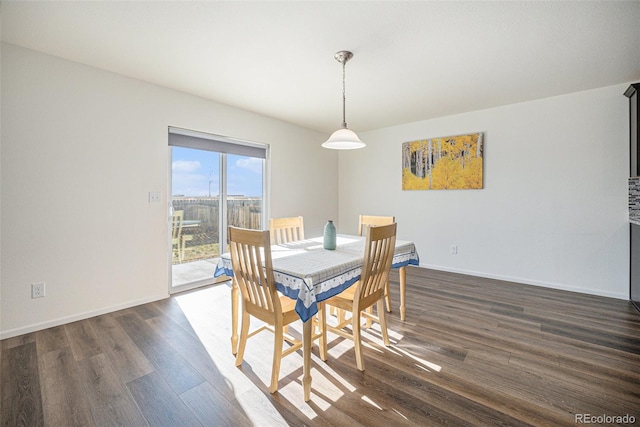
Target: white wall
x,y
80,150
553,211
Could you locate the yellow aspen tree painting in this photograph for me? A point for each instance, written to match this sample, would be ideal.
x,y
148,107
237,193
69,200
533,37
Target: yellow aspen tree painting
x,y
444,163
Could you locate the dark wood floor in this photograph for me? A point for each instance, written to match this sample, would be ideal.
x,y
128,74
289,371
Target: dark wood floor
x,y
472,352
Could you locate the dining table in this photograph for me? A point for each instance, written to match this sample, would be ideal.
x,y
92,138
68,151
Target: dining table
x,y
308,273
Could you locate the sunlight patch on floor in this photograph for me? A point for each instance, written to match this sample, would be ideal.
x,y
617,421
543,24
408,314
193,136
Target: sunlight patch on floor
x,y
394,336
254,404
330,373
371,402
371,338
422,363
294,394
208,312
399,413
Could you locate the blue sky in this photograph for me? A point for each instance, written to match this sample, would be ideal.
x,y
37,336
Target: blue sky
x,y
196,172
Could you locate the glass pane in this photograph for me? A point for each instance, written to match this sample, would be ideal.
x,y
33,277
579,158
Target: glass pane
x,y
244,191
195,192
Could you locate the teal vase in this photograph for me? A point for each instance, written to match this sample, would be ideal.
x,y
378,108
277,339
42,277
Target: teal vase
x,y
329,236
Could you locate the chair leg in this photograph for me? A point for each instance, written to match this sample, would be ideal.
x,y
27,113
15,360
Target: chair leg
x,y
367,320
387,296
383,323
244,331
355,326
322,314
277,357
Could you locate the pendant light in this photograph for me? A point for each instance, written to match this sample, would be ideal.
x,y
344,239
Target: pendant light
x,y
344,138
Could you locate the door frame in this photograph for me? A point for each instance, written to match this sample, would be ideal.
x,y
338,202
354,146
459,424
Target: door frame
x,y
222,216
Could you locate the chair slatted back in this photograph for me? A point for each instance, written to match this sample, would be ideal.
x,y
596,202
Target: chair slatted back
x,y
370,220
378,256
253,269
176,221
285,230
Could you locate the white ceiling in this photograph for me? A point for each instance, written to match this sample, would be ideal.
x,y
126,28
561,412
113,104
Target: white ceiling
x,y
413,60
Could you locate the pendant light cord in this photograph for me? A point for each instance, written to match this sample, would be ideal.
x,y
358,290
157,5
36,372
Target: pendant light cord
x,y
344,115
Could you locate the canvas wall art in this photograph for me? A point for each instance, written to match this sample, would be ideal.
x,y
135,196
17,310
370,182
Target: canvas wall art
x,y
443,163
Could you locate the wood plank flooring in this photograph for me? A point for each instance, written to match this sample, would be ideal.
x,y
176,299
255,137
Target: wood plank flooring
x,y
472,351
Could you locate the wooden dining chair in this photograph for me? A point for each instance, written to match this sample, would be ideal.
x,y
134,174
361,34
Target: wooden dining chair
x,y
285,230
253,273
176,233
367,221
369,290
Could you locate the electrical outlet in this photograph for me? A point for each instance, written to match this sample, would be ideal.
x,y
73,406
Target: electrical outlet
x,y
454,250
37,290
154,197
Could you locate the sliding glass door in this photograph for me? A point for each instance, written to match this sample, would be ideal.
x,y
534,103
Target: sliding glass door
x,y
214,184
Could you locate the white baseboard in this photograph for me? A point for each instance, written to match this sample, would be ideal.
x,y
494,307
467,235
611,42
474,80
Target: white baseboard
x,y
74,318
529,282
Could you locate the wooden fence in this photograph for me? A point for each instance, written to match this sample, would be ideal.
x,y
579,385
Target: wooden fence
x,y
243,212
